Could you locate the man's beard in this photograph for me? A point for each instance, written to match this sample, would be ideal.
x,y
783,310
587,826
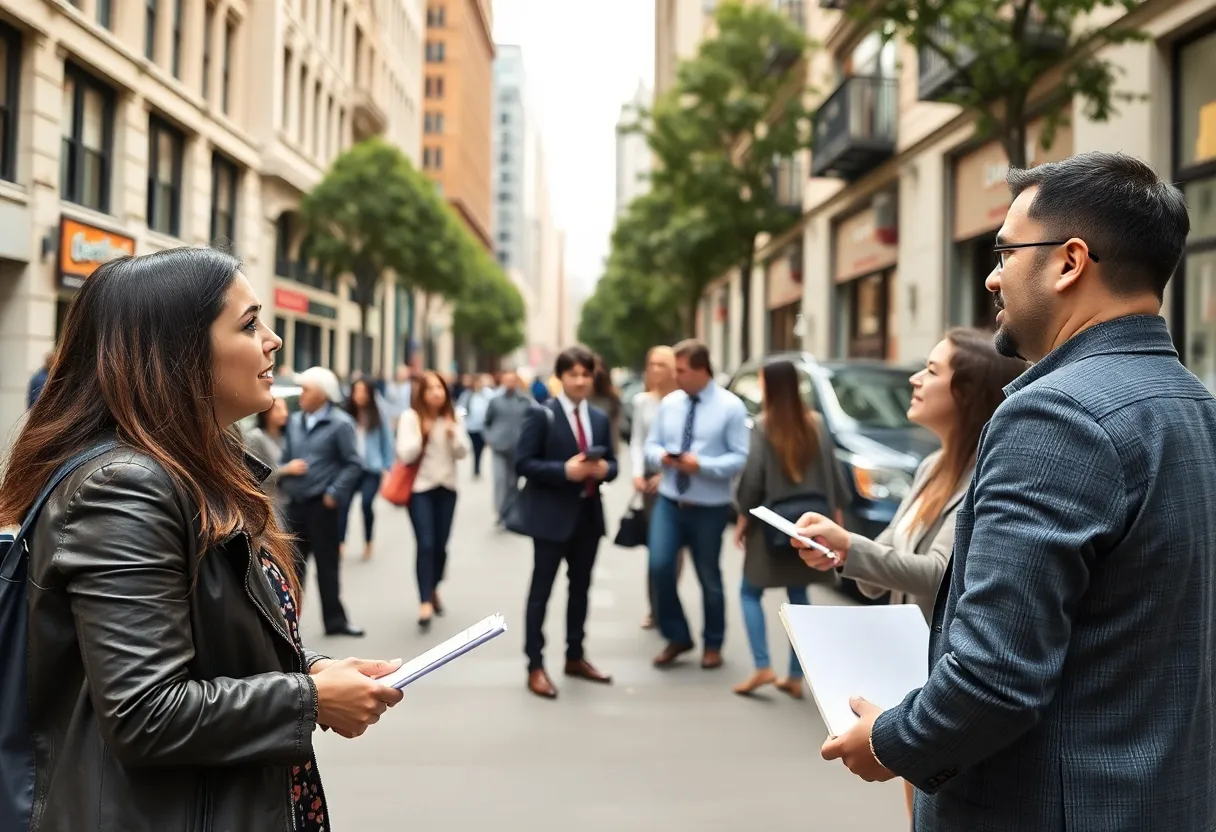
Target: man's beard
x,y
1006,343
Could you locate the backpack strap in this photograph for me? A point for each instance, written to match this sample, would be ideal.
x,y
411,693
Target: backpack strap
x,y
16,542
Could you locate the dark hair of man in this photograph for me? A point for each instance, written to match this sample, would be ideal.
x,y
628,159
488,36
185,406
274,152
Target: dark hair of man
x,y
695,353
1135,224
574,357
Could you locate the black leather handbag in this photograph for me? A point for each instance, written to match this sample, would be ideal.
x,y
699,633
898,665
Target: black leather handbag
x,y
634,530
792,508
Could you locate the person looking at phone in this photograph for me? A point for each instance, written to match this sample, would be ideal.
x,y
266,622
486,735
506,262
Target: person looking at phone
x,y
564,452
700,440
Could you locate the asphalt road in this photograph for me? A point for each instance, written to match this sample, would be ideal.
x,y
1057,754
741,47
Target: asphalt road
x,y
471,749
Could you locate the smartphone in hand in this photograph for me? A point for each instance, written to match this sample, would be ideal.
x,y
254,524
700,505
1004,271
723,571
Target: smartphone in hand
x,y
595,453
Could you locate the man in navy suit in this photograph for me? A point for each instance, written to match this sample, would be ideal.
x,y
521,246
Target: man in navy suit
x,y
1072,656
564,452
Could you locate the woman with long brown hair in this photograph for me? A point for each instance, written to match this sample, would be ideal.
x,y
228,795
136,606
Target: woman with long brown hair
x,y
791,467
375,443
432,435
164,664
954,396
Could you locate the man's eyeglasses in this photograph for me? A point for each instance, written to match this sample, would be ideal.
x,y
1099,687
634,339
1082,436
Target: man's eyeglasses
x,y
1004,248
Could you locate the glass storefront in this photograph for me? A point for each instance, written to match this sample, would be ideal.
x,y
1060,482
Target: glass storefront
x,y
864,304
1195,171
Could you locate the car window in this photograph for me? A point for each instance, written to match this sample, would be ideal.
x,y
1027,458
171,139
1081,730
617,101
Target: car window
x,y
873,398
747,387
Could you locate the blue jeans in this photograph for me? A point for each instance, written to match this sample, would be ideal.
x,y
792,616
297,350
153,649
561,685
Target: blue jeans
x,y
753,619
431,513
699,529
369,487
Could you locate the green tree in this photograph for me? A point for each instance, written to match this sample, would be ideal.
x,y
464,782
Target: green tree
x,y
373,213
489,314
1002,55
735,110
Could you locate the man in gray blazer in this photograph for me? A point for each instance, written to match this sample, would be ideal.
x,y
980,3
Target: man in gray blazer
x,y
1072,684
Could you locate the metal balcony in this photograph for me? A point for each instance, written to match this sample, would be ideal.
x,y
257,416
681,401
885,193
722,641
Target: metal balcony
x,y
938,79
787,184
369,118
856,127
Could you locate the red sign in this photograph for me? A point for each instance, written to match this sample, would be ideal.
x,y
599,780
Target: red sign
x,y
290,301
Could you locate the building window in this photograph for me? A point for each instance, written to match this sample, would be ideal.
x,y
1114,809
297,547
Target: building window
x,y
10,84
176,58
434,86
88,131
316,118
436,16
103,13
226,70
358,73
224,179
432,158
433,123
505,118
286,115
150,29
208,35
435,51
342,36
301,131
164,177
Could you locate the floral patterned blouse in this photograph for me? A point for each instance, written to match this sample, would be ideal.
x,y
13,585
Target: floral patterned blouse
x,y
307,798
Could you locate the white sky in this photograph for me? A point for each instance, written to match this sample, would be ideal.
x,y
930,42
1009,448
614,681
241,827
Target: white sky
x,y
582,60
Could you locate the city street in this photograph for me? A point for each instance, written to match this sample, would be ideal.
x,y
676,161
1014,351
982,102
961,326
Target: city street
x,y
470,748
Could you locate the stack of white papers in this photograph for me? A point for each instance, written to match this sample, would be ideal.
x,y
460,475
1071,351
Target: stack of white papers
x,y
435,658
880,653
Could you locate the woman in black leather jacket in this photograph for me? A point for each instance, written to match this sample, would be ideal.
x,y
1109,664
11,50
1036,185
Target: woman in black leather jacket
x,y
168,686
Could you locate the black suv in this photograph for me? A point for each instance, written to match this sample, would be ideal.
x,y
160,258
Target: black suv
x,y
864,405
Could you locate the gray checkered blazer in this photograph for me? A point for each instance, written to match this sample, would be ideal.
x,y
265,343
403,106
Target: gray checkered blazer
x,y
1071,680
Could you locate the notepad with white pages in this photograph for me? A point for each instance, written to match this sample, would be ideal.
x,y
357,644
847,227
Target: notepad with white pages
x,y
879,652
488,628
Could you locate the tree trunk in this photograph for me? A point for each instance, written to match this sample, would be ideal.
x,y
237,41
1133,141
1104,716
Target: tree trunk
x,y
1013,138
364,353
745,288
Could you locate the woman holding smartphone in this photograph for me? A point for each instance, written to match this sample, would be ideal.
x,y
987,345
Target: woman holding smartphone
x,y
956,394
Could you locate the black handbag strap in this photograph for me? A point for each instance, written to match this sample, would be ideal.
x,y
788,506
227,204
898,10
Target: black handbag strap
x,y
16,542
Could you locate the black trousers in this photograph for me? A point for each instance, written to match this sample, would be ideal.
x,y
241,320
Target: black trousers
x,y
317,533
579,554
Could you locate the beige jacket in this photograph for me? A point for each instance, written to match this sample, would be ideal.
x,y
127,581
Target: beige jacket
x,y
912,577
438,467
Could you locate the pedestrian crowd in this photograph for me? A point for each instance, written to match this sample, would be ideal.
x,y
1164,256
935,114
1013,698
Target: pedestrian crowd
x,y
1060,542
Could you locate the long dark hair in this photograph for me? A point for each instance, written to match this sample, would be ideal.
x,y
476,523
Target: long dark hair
x,y
373,410
788,424
977,383
601,382
136,362
447,409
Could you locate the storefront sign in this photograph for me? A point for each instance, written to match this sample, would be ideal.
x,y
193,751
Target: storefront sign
x,y
859,249
83,247
782,288
285,300
322,310
981,196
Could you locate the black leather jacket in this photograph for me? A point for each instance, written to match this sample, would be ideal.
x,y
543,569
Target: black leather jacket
x,y
158,703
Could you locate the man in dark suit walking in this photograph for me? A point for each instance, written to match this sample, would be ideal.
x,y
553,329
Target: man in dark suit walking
x,y
1072,683
564,452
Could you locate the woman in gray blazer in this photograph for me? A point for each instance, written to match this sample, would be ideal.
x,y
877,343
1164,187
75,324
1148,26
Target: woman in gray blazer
x,y
791,460
954,396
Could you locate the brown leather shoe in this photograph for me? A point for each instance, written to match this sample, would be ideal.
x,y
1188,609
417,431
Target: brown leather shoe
x,y
711,659
583,669
540,684
670,653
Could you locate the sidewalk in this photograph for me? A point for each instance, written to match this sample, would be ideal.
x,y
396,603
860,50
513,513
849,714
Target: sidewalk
x,y
471,749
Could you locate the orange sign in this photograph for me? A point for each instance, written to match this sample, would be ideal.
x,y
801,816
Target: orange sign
x,y
82,248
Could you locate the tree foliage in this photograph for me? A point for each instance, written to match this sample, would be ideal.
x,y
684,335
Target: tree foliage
x,y
735,109
373,213
1003,53
490,312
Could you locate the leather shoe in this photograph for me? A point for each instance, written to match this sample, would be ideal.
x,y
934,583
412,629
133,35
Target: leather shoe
x,y
711,659
583,669
348,630
540,684
670,653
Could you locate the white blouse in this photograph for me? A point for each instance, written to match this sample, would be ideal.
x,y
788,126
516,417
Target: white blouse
x,y
438,466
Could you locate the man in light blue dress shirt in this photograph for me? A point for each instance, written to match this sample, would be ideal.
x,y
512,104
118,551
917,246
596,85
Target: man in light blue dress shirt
x,y
700,439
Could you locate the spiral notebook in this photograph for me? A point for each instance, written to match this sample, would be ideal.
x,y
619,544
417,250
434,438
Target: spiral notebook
x,y
488,628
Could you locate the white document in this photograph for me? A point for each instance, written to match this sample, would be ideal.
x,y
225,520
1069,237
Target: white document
x,y
782,525
880,653
459,644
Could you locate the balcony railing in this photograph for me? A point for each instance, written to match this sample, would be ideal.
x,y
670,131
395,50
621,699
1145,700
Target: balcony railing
x,y
787,184
939,78
856,127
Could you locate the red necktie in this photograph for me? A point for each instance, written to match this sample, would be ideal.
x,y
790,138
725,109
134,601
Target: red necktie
x,y
588,485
